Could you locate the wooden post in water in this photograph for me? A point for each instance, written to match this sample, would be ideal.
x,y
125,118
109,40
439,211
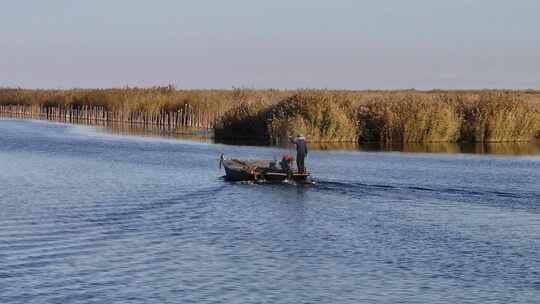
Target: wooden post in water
x,y
184,116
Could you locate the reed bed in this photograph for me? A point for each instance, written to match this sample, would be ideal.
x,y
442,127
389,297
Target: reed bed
x,y
321,115
162,106
393,117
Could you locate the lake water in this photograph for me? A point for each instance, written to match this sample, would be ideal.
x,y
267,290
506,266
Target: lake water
x,y
91,217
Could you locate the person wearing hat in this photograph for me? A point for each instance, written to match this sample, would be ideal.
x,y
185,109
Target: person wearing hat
x,y
301,151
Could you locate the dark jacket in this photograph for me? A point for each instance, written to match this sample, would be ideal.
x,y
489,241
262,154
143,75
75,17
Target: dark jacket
x,y
301,147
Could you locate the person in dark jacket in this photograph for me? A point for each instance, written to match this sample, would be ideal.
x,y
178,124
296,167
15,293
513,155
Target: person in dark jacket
x,y
301,151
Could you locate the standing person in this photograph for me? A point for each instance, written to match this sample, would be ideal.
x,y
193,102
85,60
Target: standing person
x,y
301,151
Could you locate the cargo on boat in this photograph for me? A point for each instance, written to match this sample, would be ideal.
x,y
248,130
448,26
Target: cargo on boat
x,y
261,170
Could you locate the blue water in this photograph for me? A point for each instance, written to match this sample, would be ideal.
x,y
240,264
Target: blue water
x,y
89,217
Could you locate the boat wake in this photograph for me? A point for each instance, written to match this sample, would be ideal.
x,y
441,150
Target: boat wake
x,y
507,199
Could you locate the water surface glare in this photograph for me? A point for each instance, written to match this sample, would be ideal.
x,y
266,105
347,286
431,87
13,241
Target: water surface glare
x,y
89,217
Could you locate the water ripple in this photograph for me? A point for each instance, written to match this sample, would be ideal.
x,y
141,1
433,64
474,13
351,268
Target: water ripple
x,y
92,219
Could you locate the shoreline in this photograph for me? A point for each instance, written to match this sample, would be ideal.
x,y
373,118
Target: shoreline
x,y
403,116
389,117
206,136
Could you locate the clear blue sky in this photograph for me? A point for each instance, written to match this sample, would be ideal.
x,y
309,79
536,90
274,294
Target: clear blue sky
x,y
349,44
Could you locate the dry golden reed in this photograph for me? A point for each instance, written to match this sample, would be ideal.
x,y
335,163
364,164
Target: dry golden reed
x,y
317,115
323,115
395,116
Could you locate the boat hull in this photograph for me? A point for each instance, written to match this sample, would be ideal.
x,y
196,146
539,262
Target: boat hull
x,y
233,174
240,170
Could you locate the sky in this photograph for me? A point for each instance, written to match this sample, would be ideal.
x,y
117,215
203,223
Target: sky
x,y
282,44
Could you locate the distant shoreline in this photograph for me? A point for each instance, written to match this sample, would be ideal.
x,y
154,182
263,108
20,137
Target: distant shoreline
x,y
332,116
531,148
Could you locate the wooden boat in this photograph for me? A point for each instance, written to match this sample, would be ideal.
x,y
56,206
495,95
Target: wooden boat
x,y
259,170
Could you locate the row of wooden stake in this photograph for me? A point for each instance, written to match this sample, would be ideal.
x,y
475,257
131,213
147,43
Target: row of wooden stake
x,y
183,117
